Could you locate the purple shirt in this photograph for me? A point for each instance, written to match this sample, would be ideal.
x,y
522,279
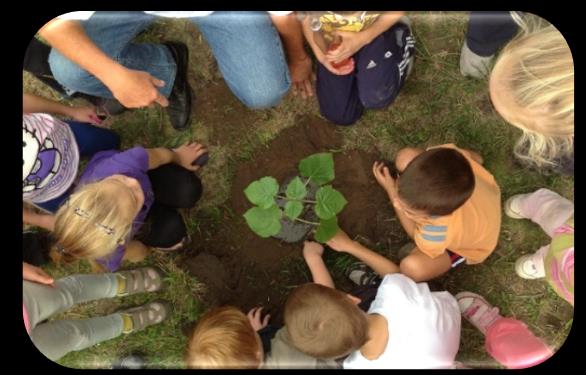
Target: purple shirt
x,y
132,163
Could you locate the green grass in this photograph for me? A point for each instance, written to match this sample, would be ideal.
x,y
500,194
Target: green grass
x,y
437,105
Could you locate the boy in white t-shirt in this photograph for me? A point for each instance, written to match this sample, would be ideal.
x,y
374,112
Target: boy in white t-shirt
x,y
407,325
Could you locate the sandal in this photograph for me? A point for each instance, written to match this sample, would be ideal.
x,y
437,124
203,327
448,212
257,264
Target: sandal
x,y
477,310
147,315
147,279
361,274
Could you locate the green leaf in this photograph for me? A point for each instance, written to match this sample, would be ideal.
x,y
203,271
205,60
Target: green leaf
x,y
264,221
318,167
293,209
329,202
262,192
296,189
326,229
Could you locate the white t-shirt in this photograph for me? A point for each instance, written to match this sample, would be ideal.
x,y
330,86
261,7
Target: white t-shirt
x,y
424,327
84,15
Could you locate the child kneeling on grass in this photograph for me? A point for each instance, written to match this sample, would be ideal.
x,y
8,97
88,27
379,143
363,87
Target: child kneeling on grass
x,y
448,203
407,325
118,192
226,338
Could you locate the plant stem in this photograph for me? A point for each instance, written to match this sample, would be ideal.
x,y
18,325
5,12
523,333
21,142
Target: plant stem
x,y
297,200
306,222
307,182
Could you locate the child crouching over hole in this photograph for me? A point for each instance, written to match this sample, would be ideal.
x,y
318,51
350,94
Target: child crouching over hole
x,y
449,205
117,193
405,326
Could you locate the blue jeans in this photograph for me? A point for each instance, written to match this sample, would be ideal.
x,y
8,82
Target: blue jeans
x,y
245,44
90,140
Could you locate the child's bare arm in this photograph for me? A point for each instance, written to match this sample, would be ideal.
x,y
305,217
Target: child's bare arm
x,y
352,42
36,104
382,24
380,264
184,156
312,252
39,220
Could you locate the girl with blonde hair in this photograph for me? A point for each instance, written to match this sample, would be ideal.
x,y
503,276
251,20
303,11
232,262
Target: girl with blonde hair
x,y
126,194
532,88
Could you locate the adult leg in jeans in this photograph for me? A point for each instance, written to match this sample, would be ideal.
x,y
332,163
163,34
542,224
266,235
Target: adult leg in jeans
x,y
381,66
90,139
113,32
250,55
544,207
57,338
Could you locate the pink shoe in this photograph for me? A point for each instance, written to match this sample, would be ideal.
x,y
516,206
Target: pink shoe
x,y
477,310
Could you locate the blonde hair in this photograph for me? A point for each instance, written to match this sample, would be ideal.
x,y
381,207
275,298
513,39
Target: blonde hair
x,y
93,222
223,338
539,78
323,322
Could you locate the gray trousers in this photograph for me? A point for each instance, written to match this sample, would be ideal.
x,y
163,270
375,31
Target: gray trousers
x,y
56,338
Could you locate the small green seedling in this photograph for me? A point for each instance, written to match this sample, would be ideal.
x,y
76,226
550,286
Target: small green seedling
x,y
265,218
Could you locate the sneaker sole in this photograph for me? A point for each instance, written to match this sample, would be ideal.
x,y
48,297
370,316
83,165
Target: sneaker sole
x,y
509,212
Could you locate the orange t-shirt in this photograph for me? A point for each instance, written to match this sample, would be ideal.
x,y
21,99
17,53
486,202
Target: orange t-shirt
x,y
471,231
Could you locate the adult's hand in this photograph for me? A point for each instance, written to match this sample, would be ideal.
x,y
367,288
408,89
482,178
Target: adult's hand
x,y
136,89
302,77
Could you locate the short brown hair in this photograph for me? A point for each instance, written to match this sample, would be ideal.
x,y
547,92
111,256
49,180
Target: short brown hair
x,y
437,181
223,338
322,322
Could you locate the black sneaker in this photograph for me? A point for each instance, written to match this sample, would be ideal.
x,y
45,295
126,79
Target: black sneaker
x,y
179,108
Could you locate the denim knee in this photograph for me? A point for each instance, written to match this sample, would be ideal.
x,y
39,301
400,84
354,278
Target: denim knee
x,y
66,72
266,96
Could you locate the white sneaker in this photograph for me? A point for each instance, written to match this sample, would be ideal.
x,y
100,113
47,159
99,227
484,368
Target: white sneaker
x,y
513,207
530,267
474,65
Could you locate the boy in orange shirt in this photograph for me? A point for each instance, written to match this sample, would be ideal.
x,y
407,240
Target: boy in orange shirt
x,y
448,203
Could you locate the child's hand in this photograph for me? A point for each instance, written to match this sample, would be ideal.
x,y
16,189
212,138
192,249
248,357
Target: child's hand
x,y
311,248
341,242
352,42
85,114
254,319
342,71
35,274
384,179
187,153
